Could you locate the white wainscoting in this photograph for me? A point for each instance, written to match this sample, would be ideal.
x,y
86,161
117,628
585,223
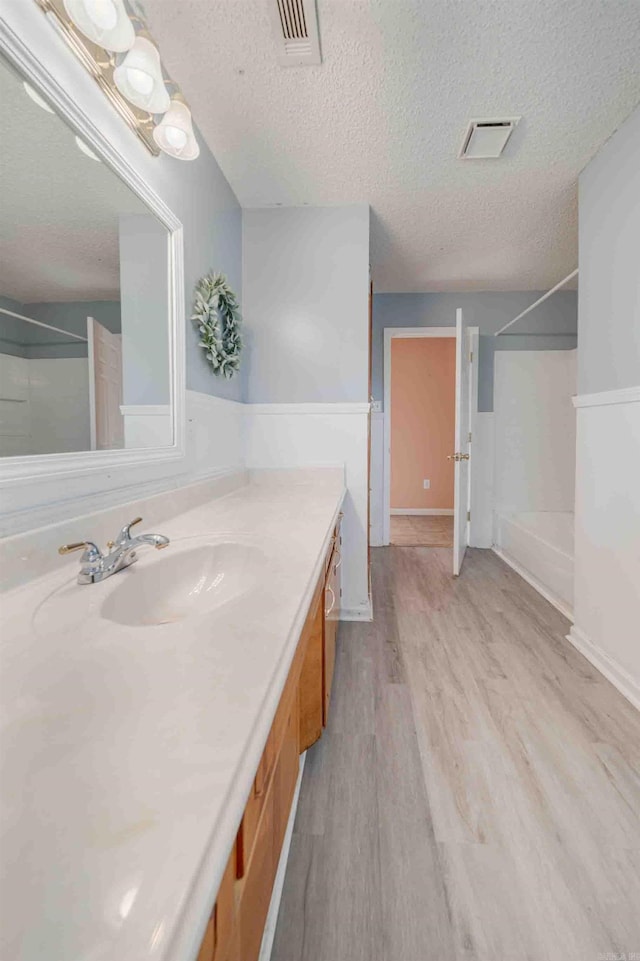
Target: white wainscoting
x,y
147,425
215,435
322,435
607,536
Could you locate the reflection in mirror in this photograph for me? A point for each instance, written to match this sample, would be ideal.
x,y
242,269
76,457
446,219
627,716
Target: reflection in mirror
x,y
84,293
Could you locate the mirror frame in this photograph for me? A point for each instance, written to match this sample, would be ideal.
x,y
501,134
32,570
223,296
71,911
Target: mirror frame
x,y
36,480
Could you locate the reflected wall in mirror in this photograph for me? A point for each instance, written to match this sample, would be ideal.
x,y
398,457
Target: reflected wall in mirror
x,y
84,293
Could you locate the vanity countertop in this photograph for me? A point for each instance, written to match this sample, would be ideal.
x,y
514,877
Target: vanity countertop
x,y
129,752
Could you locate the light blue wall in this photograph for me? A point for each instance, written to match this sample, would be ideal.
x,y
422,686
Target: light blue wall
x,y
306,296
196,191
38,342
609,325
552,326
212,218
11,329
145,310
72,317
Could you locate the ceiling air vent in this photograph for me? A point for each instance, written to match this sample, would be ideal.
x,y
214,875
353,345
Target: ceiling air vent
x,y
295,26
486,139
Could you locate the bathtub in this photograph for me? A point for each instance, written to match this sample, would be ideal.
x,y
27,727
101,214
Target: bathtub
x,y
539,546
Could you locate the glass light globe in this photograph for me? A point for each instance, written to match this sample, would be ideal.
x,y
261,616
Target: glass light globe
x,y
174,134
141,82
139,78
102,12
104,22
175,137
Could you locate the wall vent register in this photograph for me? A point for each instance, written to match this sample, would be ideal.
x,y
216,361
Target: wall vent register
x,y
295,27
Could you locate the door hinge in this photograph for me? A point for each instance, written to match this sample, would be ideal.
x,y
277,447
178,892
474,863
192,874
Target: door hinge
x,y
468,515
471,357
469,436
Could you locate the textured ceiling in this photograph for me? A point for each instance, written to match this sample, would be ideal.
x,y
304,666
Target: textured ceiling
x,y
59,209
382,119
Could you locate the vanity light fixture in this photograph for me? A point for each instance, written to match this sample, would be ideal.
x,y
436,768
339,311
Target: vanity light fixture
x,y
174,134
35,96
111,40
104,22
139,78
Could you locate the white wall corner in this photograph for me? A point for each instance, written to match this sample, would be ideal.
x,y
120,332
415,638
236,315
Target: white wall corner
x,y
281,436
362,613
628,686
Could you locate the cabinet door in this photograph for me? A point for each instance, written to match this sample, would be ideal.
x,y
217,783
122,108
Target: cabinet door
x,y
331,615
258,885
261,870
208,942
311,684
285,779
224,912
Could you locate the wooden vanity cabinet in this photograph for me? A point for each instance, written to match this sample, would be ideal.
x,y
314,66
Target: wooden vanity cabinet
x,y
236,925
322,628
220,929
331,617
312,680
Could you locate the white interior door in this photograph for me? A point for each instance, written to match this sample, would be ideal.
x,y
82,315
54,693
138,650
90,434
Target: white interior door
x,y
105,387
461,454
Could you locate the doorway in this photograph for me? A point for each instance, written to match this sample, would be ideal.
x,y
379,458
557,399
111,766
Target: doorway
x,y
429,403
423,386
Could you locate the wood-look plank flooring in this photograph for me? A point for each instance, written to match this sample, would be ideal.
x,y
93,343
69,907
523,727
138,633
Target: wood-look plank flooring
x,y
476,795
411,530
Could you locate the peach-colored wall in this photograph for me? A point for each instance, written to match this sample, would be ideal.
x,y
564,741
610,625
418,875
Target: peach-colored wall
x,y
423,379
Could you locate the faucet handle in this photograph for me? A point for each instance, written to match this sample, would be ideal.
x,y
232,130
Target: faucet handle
x,y
125,532
91,550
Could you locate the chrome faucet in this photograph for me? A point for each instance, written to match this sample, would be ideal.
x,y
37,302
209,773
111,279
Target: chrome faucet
x,y
96,566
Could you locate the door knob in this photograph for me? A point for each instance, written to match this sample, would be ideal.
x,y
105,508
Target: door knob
x,y
458,457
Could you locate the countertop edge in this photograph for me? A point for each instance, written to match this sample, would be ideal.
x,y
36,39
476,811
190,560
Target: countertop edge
x,y
199,898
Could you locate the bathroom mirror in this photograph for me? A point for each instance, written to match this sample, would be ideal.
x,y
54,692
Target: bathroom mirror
x,y
87,290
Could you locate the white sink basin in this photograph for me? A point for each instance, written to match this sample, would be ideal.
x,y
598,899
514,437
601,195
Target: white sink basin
x,y
190,582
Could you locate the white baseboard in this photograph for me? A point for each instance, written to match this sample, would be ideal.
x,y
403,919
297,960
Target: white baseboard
x,y
423,511
535,583
362,613
278,885
618,676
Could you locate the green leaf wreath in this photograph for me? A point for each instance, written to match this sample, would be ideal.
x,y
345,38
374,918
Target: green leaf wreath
x,y
217,314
